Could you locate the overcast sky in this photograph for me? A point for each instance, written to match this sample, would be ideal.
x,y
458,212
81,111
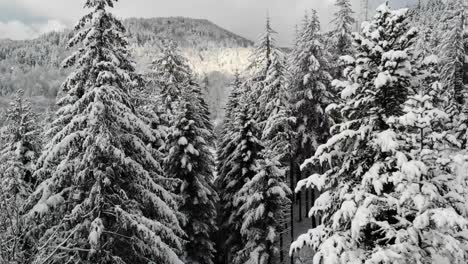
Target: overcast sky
x,y
24,19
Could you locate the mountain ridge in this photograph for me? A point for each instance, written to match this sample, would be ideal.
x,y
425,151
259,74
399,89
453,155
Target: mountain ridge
x,y
178,22
214,54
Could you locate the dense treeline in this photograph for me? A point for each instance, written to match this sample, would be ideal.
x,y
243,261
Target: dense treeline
x,y
127,167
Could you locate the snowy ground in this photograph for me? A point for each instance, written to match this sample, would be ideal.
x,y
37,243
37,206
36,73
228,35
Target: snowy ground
x,y
301,226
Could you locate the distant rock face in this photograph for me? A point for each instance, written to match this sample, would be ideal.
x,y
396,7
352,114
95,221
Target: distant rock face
x,y
213,53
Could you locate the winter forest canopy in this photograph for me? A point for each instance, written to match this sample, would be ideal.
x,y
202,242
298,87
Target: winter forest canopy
x,y
349,147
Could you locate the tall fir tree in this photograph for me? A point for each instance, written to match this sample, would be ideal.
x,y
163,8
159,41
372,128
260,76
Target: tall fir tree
x,y
244,148
274,121
381,202
228,127
427,18
340,38
426,124
261,205
260,59
454,56
170,73
310,88
190,160
275,103
259,197
103,198
343,23
233,102
18,156
455,67
429,137
224,149
260,66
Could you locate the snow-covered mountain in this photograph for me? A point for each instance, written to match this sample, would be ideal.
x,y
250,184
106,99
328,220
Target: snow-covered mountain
x,y
213,52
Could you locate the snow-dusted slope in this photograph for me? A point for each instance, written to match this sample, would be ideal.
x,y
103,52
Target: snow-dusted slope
x,y
213,53
208,47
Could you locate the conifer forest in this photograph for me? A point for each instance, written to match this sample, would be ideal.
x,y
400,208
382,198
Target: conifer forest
x,y
174,141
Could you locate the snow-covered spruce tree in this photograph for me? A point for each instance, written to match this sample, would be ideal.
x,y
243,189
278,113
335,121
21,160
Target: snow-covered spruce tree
x,y
428,138
457,165
147,100
260,204
266,80
310,88
454,56
244,150
381,203
455,68
275,103
269,88
190,160
18,155
273,117
170,72
204,113
103,198
47,118
233,102
260,59
228,127
224,149
343,22
425,121
262,199
427,18
339,40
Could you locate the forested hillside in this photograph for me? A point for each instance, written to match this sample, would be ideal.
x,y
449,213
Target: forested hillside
x,y
213,52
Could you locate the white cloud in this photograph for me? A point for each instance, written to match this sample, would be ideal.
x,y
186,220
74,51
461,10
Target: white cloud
x,y
17,30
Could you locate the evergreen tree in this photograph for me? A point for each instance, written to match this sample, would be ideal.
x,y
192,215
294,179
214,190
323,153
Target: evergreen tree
x,y
429,138
339,40
382,202
274,100
457,165
228,127
455,68
17,164
424,110
204,112
244,149
266,123
260,59
232,103
225,148
261,202
310,88
147,101
260,63
103,198
170,74
343,22
427,19
190,160
453,56
260,199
